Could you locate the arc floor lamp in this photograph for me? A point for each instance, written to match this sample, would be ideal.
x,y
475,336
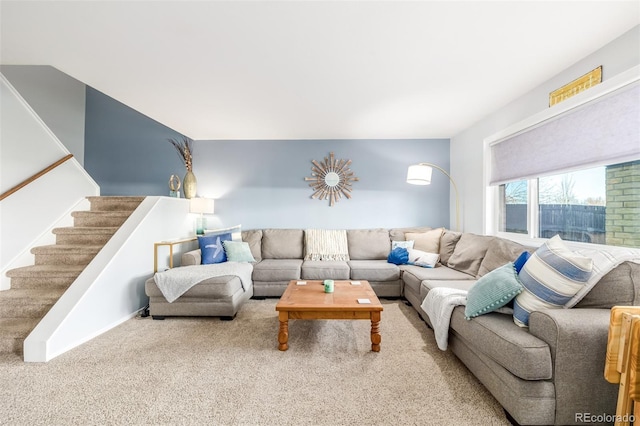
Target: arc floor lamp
x,y
420,174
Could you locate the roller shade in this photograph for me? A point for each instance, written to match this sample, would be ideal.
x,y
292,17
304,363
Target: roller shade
x,y
604,131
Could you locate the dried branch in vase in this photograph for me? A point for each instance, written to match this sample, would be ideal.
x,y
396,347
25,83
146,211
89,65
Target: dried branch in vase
x,y
185,151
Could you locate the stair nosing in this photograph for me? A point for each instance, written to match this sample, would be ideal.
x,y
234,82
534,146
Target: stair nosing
x,y
86,229
53,270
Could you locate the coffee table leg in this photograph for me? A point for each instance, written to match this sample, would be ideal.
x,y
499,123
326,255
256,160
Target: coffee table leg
x,y
376,338
283,333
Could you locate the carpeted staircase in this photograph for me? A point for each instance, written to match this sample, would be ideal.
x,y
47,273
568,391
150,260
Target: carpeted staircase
x,y
35,289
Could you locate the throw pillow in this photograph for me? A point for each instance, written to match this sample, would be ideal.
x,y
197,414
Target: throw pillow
x,y
448,243
422,258
212,249
403,244
238,251
499,252
521,260
493,291
426,241
398,256
551,276
469,253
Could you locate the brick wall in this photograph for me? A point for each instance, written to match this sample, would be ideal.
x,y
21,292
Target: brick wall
x,y
622,220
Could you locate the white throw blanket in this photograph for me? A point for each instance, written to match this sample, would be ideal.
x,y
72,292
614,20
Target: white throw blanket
x,y
326,244
173,283
604,259
439,305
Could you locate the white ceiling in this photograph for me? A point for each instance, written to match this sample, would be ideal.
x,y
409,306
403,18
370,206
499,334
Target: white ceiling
x,y
311,69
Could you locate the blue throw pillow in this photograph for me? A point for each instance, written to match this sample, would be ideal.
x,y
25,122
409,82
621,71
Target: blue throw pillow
x,y
212,249
521,260
398,256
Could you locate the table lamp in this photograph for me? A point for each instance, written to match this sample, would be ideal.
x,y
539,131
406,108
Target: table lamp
x,y
202,206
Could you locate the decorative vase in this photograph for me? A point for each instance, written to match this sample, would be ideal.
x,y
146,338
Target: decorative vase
x,y
189,184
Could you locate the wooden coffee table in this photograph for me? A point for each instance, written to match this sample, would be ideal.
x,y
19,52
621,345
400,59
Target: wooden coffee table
x,y
309,302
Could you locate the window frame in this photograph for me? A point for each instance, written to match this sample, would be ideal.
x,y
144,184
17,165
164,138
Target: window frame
x,y
492,193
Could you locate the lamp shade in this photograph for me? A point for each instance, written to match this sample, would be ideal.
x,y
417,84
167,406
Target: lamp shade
x,y
419,174
201,205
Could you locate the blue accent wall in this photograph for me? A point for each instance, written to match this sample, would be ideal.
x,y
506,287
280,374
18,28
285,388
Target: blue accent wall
x,y
126,152
260,183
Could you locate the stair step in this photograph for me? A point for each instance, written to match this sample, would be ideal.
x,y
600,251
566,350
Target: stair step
x,y
112,203
39,276
65,254
13,332
17,327
92,218
78,235
42,271
27,303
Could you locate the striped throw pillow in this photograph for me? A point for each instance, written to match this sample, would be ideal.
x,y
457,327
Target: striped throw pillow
x,y
551,277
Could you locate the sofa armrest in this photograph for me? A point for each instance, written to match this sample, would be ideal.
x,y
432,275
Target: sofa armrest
x,y
192,257
578,342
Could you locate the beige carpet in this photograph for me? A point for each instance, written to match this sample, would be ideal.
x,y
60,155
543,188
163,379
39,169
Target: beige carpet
x,y
207,371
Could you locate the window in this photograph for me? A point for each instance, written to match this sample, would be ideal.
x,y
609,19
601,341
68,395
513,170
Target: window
x,y
572,170
514,207
598,205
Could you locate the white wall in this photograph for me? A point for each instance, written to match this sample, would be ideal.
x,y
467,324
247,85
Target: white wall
x,y
467,153
110,290
57,98
27,146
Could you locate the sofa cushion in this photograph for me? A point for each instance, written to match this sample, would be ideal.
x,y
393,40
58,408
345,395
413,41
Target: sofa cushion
x,y
274,270
438,273
373,270
254,238
514,348
368,244
621,287
469,253
493,291
282,243
214,288
325,269
605,259
426,241
499,252
551,276
448,242
427,285
398,234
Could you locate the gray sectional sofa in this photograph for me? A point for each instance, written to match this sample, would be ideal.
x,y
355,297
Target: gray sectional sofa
x,y
549,373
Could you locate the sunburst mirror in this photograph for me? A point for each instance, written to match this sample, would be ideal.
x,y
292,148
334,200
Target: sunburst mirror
x,y
331,179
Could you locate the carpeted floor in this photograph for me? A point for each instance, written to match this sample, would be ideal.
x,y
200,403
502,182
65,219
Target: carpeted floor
x,y
207,371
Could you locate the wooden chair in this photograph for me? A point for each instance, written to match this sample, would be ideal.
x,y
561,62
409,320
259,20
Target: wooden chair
x,y
622,364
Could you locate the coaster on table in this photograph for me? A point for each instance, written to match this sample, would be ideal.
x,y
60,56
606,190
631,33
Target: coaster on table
x,y
355,282
301,283
364,301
